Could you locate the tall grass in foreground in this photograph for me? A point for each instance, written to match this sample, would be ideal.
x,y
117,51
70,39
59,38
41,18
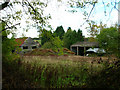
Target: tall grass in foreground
x,y
36,72
58,73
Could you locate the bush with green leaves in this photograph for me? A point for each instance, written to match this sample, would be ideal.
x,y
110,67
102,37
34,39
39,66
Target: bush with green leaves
x,y
108,40
8,45
55,44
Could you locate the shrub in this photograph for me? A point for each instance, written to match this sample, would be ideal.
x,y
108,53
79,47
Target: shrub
x,y
47,45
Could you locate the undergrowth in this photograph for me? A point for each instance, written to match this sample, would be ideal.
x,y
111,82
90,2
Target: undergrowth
x,y
65,74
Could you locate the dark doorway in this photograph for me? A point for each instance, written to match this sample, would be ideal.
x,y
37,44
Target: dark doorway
x,y
74,49
25,47
34,47
81,51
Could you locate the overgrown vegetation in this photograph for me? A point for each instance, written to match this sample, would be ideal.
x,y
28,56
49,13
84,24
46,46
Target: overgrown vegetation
x,y
71,37
108,40
59,71
37,72
60,39
47,72
50,52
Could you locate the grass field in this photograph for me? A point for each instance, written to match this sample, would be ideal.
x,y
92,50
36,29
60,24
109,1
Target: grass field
x,y
60,72
71,61
64,71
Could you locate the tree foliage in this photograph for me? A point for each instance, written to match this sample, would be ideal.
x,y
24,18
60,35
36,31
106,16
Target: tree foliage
x,y
108,39
71,37
8,45
55,44
46,36
31,11
80,36
59,32
94,29
34,10
92,39
91,4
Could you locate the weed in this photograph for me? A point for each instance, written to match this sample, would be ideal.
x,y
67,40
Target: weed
x,y
59,72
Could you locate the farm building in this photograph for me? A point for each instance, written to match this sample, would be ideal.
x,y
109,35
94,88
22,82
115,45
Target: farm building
x,y
80,47
27,44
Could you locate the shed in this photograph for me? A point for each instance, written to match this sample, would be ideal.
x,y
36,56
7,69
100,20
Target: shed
x,y
80,47
27,44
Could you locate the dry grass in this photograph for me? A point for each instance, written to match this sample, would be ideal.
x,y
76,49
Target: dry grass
x,y
57,59
91,63
58,71
70,61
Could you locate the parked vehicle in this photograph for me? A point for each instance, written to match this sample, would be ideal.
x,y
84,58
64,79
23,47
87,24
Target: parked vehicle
x,y
95,51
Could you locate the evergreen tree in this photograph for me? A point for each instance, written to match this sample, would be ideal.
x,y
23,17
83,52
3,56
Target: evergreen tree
x,y
59,32
79,35
71,37
46,36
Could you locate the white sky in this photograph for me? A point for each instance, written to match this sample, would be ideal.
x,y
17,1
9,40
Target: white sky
x,y
61,16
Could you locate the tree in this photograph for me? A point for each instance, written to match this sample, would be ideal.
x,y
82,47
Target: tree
x,y
69,28
35,9
30,11
8,45
68,39
46,36
55,44
71,37
93,29
59,32
4,5
92,39
79,35
108,40
91,4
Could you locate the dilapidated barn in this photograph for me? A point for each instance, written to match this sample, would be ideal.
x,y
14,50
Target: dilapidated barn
x,y
27,44
80,47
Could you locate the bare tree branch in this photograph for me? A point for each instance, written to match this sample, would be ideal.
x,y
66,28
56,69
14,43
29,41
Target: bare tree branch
x,y
89,14
91,10
104,7
2,6
4,22
32,7
10,27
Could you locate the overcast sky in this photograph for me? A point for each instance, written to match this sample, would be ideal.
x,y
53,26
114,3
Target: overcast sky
x,y
61,16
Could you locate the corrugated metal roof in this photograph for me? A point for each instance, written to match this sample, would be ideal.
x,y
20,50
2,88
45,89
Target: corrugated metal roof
x,y
85,44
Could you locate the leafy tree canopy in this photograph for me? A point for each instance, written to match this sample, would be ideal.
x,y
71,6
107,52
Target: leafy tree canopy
x,y
31,11
108,39
71,37
8,45
59,32
46,36
55,44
